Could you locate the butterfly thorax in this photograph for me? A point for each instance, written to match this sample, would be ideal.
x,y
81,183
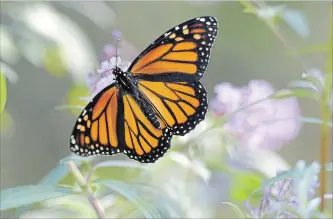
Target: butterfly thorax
x,y
129,86
123,79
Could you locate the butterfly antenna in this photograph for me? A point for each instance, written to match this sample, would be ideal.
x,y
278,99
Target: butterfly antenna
x,y
116,52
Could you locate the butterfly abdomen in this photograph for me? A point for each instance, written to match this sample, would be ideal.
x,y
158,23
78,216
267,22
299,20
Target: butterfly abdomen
x,y
149,112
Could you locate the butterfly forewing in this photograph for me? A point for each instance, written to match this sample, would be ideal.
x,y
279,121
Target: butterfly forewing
x,y
96,131
180,54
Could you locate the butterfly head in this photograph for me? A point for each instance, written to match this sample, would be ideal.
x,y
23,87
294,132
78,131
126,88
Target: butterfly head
x,y
118,72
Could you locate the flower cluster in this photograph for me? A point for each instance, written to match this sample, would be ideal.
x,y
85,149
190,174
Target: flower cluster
x,y
103,76
262,123
291,194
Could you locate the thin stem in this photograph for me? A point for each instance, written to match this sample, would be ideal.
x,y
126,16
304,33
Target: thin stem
x,y
326,116
83,183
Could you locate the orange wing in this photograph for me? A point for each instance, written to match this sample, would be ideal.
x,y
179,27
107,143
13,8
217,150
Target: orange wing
x,y
95,131
181,54
143,141
181,105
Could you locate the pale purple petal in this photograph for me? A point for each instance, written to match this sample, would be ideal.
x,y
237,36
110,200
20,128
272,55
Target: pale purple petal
x,y
116,34
109,51
228,98
266,124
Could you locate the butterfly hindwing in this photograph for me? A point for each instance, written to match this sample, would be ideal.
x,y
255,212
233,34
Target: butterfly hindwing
x,y
181,54
181,105
143,141
96,130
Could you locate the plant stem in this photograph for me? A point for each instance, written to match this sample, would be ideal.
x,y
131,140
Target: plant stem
x,y
83,183
326,116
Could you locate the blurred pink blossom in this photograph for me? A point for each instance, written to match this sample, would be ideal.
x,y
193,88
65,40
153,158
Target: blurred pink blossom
x,y
267,124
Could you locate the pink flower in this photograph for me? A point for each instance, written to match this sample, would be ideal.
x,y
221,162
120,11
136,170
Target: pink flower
x,y
267,124
102,77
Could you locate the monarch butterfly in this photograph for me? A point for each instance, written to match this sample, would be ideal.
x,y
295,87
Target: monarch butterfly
x,y
159,96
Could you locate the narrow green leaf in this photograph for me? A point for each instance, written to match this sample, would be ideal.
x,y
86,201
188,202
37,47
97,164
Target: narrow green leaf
x,y
84,164
51,179
297,21
3,91
295,93
59,172
166,206
130,194
25,195
77,204
49,212
303,84
249,10
285,175
312,120
120,163
237,210
117,169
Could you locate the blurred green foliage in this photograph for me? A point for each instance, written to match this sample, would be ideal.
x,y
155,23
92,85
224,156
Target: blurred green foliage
x,y
53,61
3,91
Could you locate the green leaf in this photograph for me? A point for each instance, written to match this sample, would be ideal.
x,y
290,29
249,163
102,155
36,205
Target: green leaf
x,y
249,10
26,195
312,120
59,172
118,170
3,91
127,191
285,175
49,212
51,179
53,61
297,21
116,173
295,93
120,163
78,204
74,97
302,84
243,185
6,123
236,209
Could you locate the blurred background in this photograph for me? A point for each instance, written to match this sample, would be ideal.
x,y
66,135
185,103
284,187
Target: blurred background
x,y
48,49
